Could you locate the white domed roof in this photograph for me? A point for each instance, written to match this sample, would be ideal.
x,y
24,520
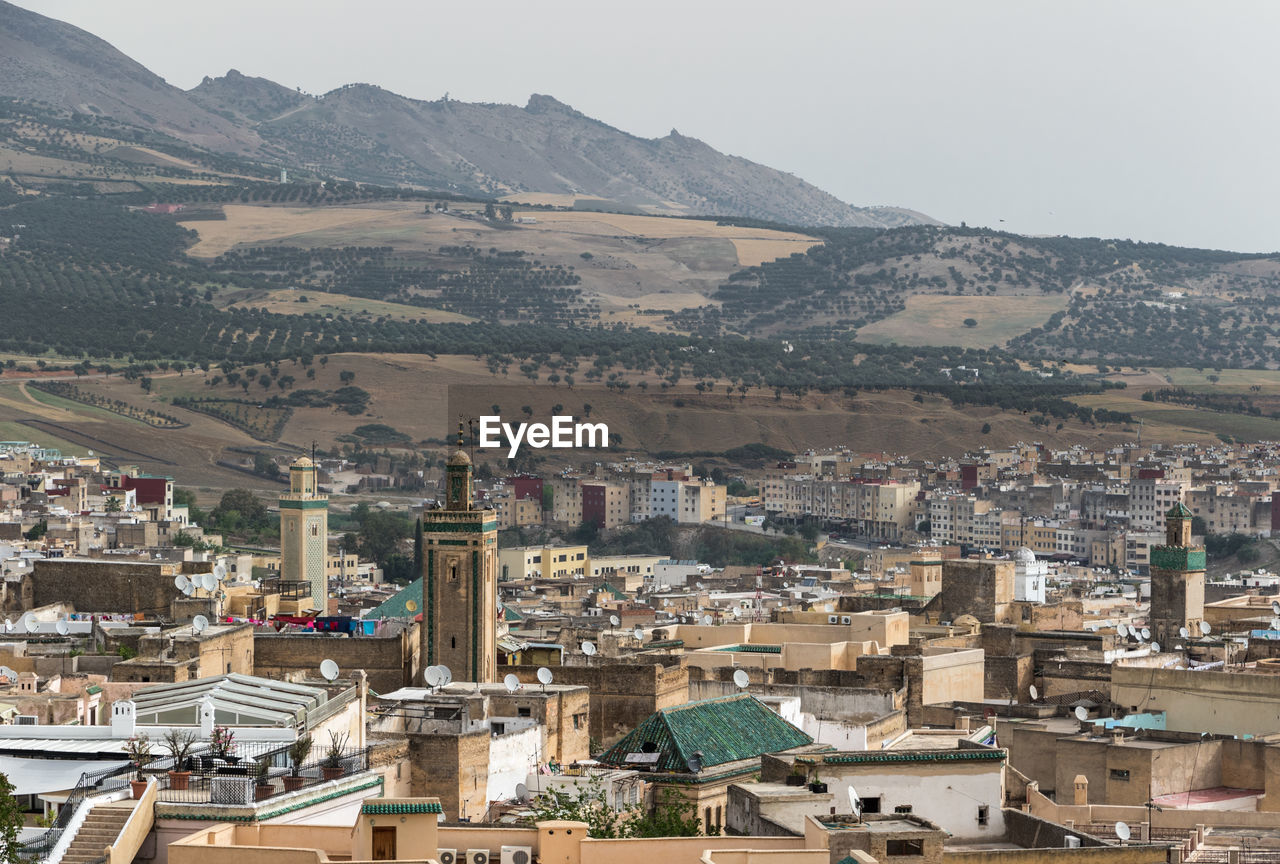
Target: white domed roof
x,y
1024,556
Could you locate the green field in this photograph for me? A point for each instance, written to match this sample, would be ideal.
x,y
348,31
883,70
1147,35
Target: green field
x,y
1181,418
938,319
77,407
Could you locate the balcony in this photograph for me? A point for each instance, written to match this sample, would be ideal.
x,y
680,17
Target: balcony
x,y
230,784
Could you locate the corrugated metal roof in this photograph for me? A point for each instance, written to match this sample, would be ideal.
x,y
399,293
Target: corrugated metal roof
x,y
725,729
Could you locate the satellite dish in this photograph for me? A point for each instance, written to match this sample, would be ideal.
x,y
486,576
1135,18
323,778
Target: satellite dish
x,y
219,572
694,762
1275,623
544,675
1035,694
61,627
446,675
1184,632
737,613
589,648
433,676
1139,637
188,589
511,682
329,670
1275,607
741,679
1155,647
207,582
1122,831
411,605
180,582
706,619
829,608
855,803
29,622
522,792
1121,630
638,633
614,620
1081,713
1205,629
701,586
1146,634
199,623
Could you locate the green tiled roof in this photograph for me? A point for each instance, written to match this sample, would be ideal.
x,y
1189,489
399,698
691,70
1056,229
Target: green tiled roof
x,y
394,606
509,614
1179,509
606,588
374,808
871,758
848,859
725,729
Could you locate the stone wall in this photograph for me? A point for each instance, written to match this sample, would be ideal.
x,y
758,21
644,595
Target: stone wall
x,y
391,662
105,586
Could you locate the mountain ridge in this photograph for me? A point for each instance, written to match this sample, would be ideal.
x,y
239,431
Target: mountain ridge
x,y
366,133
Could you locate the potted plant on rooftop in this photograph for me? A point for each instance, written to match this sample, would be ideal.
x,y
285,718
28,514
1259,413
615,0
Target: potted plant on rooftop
x,y
815,782
331,764
299,750
796,777
262,787
222,744
139,750
179,743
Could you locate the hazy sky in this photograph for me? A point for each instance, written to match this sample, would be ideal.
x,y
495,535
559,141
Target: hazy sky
x,y
1149,120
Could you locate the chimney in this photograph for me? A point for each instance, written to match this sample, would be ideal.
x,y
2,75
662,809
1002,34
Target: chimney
x,y
1080,790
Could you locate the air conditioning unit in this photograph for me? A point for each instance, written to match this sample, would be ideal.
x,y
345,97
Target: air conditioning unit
x,y
833,619
26,720
477,856
846,619
517,855
447,856
1071,842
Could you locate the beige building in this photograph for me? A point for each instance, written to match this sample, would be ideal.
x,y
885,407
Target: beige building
x,y
304,532
518,563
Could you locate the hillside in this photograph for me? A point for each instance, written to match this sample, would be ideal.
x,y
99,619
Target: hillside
x,y
363,133
47,61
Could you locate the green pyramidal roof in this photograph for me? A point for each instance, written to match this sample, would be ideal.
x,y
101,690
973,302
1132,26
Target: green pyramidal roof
x,y
725,729
395,605
1179,509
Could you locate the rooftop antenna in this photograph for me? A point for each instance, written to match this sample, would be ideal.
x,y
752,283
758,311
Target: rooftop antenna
x,y
329,670
313,452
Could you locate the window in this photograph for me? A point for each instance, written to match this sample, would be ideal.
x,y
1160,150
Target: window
x,y
871,805
984,815
904,847
1119,773
524,712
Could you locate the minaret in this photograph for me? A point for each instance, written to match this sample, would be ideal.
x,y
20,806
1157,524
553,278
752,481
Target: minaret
x,y
1177,580
304,533
460,579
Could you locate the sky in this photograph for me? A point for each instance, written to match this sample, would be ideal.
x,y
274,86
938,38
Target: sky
x,y
1150,120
